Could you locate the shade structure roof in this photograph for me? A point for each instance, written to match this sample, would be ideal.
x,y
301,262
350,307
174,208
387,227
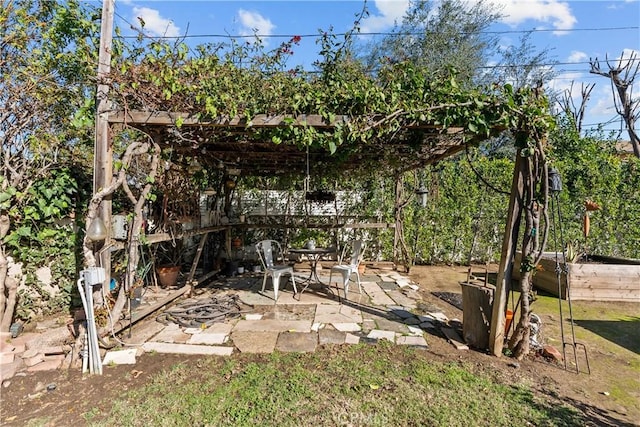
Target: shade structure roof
x,y
245,145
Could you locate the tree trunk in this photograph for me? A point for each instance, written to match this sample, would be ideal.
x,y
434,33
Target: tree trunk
x,y
4,267
12,286
134,239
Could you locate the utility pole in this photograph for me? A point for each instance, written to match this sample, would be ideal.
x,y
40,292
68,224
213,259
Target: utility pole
x,y
103,151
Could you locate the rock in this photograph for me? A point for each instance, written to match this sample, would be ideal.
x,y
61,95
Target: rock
x,y
514,365
8,370
551,352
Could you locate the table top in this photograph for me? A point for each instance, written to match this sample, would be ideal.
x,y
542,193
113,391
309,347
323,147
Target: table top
x,y
314,251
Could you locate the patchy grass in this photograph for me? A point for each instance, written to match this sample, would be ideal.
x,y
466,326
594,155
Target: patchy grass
x,y
361,385
611,333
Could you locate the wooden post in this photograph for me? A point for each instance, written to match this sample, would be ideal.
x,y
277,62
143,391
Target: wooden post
x,y
103,152
509,243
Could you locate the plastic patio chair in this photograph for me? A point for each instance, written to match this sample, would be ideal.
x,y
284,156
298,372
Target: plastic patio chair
x,y
266,249
346,270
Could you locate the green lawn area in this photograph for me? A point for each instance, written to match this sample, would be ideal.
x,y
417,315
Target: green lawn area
x,y
362,385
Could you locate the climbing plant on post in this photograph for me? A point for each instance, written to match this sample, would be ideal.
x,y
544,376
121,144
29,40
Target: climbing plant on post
x,y
531,141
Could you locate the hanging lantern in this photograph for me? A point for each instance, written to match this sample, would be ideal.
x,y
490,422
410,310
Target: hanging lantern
x,y
555,181
230,184
422,194
97,231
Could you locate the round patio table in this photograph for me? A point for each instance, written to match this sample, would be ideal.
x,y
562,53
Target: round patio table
x,y
313,256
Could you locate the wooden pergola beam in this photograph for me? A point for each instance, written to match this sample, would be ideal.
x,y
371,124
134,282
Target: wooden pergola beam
x,y
167,118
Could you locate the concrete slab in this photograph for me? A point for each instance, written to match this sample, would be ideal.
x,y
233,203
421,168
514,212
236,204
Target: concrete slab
x,y
144,331
388,286
172,333
192,331
297,342
390,325
377,294
326,313
255,342
161,347
416,331
253,316
255,298
291,312
208,338
413,341
120,357
351,339
219,328
273,325
347,327
401,299
331,336
379,334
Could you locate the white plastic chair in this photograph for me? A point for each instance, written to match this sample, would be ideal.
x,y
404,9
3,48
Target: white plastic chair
x,y
346,270
265,249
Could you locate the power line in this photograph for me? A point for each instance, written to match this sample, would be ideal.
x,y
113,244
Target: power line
x,y
379,33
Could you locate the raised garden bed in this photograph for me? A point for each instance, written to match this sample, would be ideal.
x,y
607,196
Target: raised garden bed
x,y
598,278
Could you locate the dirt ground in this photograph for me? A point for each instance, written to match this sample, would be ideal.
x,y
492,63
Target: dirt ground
x,y
610,395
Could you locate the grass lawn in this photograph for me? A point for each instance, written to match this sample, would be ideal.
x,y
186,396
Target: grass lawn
x,y
362,385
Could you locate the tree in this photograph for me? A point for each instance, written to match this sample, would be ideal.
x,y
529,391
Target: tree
x,y
46,52
523,65
622,76
569,107
440,35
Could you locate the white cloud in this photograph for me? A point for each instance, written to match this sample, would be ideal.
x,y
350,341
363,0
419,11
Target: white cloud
x,y
254,23
390,12
577,56
603,108
555,12
155,24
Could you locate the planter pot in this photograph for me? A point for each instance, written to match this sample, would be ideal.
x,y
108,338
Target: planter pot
x,y
361,268
168,275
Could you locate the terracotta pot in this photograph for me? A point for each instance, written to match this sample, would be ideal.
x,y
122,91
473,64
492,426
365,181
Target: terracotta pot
x,y
236,243
168,275
361,268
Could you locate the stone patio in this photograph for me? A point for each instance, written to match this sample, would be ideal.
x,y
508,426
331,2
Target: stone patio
x,y
389,308
386,309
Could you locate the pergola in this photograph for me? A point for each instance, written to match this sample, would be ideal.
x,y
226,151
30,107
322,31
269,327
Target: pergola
x,y
240,144
436,120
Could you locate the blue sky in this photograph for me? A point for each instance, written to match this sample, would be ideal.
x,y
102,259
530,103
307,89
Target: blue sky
x,y
574,31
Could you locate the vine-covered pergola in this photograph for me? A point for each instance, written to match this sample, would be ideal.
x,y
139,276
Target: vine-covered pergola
x,y
262,119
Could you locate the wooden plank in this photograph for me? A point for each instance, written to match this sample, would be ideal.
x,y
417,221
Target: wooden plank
x,y
124,323
615,270
165,118
604,284
454,338
477,301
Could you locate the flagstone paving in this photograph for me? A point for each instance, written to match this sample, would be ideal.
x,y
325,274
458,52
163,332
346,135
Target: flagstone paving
x,y
297,342
388,308
255,341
